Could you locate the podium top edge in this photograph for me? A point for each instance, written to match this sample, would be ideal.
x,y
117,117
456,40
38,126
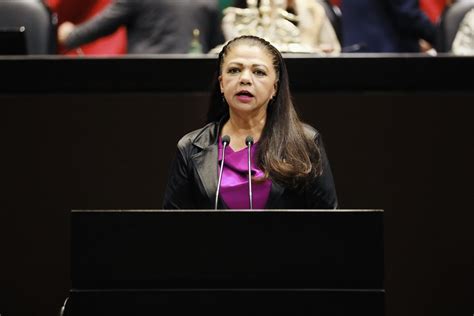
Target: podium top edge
x,y
227,211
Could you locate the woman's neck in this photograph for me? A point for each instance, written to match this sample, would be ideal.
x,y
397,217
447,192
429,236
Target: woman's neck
x,y
239,127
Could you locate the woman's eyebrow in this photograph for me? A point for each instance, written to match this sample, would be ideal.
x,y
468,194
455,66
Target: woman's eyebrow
x,y
253,65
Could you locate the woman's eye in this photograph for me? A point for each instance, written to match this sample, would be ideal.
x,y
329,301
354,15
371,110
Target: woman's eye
x,y
260,72
233,70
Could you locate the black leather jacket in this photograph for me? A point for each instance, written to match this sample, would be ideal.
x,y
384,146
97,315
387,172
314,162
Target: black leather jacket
x,y
193,177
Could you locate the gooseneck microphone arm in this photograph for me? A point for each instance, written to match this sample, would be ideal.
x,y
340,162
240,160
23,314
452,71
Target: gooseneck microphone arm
x,y
225,143
249,143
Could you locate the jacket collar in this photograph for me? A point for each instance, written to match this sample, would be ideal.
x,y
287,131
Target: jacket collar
x,y
208,135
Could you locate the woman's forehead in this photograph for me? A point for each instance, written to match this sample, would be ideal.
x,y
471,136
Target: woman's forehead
x,y
248,54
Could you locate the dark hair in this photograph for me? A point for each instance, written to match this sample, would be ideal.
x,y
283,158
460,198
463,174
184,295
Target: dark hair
x,y
286,152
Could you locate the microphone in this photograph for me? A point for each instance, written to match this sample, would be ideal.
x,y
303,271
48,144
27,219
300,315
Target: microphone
x,y
225,142
249,143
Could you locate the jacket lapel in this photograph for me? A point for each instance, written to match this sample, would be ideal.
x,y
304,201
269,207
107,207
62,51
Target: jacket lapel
x,y
205,163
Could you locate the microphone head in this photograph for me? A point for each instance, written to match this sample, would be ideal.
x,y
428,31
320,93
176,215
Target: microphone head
x,y
226,139
249,140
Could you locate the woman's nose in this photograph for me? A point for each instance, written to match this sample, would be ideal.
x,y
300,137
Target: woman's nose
x,y
245,78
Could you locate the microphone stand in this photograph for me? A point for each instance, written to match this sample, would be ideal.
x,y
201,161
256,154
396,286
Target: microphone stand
x,y
225,142
249,142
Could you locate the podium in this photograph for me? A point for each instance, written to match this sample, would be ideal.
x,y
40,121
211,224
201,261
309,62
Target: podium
x,y
286,262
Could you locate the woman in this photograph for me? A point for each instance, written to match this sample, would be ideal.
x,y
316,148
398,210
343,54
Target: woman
x,y
288,163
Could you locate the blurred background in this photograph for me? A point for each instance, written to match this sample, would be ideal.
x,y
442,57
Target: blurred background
x,y
94,95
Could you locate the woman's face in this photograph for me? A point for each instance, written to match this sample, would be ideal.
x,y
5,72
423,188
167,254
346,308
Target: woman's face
x,y
248,79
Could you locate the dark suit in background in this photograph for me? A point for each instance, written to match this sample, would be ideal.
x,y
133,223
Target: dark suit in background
x,y
155,26
385,25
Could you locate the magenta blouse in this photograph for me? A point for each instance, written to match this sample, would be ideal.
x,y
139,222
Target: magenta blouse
x,y
235,186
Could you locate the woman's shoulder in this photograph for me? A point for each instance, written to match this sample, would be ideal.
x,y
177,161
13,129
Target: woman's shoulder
x,y
200,137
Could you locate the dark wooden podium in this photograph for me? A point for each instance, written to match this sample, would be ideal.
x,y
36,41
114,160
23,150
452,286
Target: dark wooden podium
x,y
298,262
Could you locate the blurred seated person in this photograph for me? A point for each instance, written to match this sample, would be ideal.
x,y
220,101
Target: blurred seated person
x,y
254,152
385,26
463,43
307,18
78,11
153,26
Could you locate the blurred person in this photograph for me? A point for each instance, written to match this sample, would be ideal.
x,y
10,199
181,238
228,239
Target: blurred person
x,y
78,11
153,26
385,26
463,43
315,27
252,131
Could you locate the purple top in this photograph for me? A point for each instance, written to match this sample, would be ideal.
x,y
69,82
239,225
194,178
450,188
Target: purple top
x,y
235,185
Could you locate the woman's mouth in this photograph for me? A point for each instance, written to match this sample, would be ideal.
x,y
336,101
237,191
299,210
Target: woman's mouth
x,y
244,96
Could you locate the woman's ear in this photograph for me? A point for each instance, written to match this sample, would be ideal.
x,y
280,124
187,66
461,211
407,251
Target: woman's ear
x,y
220,83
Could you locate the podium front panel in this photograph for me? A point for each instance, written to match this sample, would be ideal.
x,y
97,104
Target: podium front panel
x,y
227,249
